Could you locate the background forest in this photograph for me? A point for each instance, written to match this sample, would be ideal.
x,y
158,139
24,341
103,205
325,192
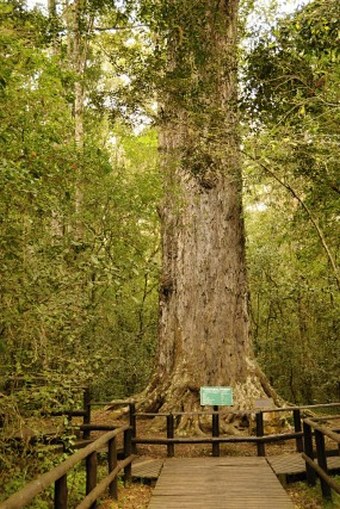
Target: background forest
x,y
80,183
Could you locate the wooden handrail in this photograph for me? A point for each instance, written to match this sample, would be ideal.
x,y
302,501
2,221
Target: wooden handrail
x,y
326,417
301,407
220,439
102,485
325,431
178,414
236,412
214,413
321,473
26,494
320,468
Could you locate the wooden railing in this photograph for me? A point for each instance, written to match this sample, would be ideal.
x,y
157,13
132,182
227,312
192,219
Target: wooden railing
x,y
85,413
260,440
58,475
215,440
319,468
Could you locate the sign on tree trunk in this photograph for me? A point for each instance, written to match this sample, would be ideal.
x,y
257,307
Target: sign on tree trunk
x,y
216,396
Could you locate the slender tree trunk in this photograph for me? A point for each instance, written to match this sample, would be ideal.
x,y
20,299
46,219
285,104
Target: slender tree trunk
x,y
77,30
79,59
80,26
204,325
57,223
52,8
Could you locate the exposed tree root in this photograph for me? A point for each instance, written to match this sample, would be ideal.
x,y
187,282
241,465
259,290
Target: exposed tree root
x,y
178,395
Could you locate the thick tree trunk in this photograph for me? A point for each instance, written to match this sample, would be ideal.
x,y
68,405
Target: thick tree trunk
x,y
204,325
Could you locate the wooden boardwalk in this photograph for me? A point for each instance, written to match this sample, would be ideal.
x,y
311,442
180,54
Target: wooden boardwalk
x,y
218,483
147,469
293,464
287,467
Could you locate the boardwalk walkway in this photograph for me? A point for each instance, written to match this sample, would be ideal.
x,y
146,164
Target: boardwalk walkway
x,y
218,483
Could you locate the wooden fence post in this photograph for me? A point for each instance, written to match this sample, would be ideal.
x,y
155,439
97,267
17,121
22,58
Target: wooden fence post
x,y
260,433
322,462
308,448
127,453
91,474
170,427
87,410
60,493
298,429
133,424
215,431
112,463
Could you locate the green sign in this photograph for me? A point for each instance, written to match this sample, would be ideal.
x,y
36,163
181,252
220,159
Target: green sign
x,y
216,396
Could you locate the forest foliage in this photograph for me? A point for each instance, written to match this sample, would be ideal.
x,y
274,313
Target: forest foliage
x,y
79,187
292,181
77,283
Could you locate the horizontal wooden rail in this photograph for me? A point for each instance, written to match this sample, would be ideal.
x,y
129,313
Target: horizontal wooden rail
x,y
310,428
302,407
260,440
325,431
220,439
231,411
326,418
103,485
58,474
189,414
203,413
321,473
194,440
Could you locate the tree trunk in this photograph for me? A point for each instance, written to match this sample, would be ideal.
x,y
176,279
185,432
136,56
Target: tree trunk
x,y
204,325
79,64
52,7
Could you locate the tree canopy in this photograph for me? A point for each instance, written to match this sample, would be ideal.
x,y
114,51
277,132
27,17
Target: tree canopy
x,y
292,100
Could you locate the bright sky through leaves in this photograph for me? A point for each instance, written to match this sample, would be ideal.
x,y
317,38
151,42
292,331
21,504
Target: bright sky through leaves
x,y
283,6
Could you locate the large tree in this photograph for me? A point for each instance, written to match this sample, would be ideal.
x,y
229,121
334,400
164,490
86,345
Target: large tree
x,y
204,325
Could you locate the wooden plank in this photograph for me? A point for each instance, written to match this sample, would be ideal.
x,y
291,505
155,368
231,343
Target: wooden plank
x,y
293,464
147,469
283,464
216,483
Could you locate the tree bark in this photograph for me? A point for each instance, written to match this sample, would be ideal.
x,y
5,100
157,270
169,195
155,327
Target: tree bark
x,y
52,7
80,21
204,324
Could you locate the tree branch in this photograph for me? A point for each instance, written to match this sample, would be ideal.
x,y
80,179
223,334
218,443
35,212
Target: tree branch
x,y
307,210
108,29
